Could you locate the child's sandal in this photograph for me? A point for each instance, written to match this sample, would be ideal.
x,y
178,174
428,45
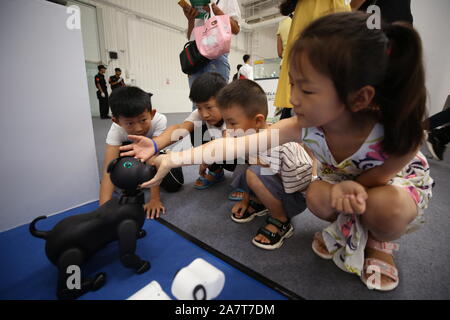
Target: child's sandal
x,y
384,268
319,247
205,183
260,210
276,239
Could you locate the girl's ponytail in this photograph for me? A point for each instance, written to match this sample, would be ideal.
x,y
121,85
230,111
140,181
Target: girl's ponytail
x,y
402,94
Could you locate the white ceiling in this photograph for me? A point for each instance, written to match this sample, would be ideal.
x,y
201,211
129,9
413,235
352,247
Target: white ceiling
x,y
254,11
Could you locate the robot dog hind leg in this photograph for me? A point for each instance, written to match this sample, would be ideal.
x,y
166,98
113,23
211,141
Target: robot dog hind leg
x,y
75,257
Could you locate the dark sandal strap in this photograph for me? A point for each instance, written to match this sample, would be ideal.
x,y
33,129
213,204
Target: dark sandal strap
x,y
203,180
283,227
216,176
257,206
273,237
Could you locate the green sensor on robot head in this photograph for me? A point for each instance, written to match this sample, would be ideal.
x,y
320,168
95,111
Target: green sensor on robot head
x,y
127,164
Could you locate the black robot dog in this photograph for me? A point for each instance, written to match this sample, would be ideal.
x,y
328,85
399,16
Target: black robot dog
x,y
75,239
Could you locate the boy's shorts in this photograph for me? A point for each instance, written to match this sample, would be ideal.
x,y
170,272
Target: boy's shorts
x,y
293,203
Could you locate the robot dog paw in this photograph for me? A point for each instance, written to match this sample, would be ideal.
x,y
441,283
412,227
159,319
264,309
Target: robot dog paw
x,y
144,268
99,281
142,233
87,285
67,294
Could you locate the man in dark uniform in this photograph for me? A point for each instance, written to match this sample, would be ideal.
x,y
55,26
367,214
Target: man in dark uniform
x,y
116,81
102,92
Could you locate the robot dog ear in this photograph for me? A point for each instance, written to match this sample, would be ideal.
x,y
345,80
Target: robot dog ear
x,y
112,164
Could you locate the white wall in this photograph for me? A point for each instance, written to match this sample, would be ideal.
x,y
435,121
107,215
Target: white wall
x,y
432,20
154,59
48,160
264,43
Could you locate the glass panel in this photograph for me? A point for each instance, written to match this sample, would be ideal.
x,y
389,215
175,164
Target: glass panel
x,y
91,71
267,68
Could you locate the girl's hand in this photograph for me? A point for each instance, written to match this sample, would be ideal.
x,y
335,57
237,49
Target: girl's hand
x,y
153,208
163,163
348,197
142,148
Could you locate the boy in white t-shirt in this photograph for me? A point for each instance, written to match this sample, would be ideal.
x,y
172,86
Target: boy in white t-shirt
x,y
246,71
132,114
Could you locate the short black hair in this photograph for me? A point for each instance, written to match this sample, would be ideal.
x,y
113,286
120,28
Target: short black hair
x,y
117,69
206,86
100,67
129,102
246,57
245,94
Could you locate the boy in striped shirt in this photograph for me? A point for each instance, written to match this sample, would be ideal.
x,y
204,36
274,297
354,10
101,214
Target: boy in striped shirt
x,y
273,182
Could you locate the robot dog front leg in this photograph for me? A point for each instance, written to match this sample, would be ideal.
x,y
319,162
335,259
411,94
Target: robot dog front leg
x,y
128,233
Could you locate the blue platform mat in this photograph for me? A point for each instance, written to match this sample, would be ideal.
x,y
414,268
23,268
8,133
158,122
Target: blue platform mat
x,y
25,272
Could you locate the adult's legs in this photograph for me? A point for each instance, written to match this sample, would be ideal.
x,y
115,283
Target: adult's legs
x,y
286,113
439,119
104,107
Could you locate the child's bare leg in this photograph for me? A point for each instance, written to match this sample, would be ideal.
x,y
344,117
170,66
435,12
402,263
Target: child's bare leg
x,y
388,212
274,205
318,197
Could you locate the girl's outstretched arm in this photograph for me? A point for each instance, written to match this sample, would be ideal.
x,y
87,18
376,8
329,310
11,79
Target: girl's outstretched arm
x,y
228,149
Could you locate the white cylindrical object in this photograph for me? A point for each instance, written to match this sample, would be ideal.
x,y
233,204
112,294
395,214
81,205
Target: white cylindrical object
x,y
199,280
152,291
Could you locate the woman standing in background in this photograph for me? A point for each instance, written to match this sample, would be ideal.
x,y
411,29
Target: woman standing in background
x,y
305,11
220,7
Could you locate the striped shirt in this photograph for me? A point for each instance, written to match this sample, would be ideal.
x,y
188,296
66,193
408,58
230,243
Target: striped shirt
x,y
292,163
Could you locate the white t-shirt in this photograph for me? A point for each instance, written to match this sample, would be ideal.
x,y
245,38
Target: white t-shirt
x,y
247,71
228,7
216,132
117,135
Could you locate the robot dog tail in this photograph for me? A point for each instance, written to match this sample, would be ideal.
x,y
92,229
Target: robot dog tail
x,y
37,233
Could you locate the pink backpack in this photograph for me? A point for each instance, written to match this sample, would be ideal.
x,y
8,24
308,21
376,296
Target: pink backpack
x,y
213,39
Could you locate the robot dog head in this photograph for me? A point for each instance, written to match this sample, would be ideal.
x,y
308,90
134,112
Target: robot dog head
x,y
127,173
